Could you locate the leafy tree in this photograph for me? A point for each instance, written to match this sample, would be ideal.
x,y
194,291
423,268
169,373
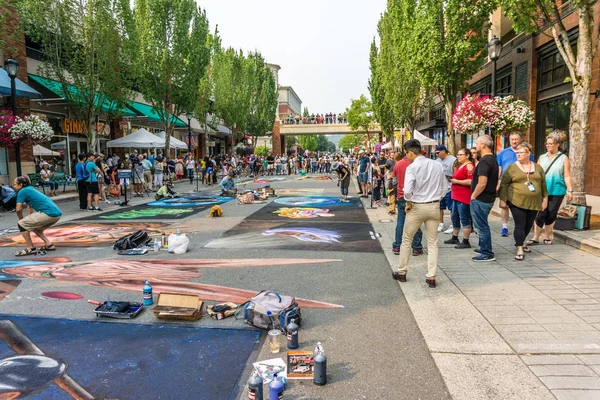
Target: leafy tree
x,y
204,111
173,56
305,112
262,150
350,140
322,143
534,15
264,97
360,117
448,41
381,107
309,142
86,44
290,141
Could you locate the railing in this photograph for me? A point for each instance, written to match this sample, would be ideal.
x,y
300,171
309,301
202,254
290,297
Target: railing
x,y
315,121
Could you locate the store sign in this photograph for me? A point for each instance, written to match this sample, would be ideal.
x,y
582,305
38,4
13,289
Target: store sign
x,y
70,125
211,143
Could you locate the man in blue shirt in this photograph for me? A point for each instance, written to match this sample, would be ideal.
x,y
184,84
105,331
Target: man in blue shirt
x,y
363,174
82,176
92,182
42,214
8,197
505,158
227,185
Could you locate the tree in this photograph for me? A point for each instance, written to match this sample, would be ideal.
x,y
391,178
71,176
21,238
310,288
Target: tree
x,y
448,45
264,98
305,112
535,15
87,47
351,140
322,143
360,117
382,109
290,141
261,151
309,142
172,58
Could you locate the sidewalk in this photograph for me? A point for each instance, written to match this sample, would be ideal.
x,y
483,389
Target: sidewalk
x,y
507,329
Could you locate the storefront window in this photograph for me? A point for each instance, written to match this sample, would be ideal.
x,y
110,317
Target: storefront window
x,y
553,70
552,114
3,161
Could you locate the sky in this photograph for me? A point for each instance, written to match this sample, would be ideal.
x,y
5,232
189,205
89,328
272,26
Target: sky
x,y
321,46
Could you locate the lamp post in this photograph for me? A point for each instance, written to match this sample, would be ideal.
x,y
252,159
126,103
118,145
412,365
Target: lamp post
x,y
12,68
189,118
494,48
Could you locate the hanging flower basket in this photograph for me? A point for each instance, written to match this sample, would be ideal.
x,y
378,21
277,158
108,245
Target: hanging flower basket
x,y
515,115
27,130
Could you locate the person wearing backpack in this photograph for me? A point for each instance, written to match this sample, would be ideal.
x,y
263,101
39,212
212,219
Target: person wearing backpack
x,y
93,189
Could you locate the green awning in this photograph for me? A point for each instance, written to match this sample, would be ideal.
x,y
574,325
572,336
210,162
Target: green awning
x,y
153,116
56,87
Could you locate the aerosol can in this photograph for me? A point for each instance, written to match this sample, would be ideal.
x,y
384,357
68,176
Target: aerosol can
x,y
320,361
276,388
255,387
147,294
292,335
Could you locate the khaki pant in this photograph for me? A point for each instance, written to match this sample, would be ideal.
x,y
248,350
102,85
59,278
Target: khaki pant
x,y
392,201
428,214
148,179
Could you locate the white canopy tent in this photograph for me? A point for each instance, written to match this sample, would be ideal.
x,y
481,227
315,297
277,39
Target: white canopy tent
x,y
138,139
42,151
425,141
174,142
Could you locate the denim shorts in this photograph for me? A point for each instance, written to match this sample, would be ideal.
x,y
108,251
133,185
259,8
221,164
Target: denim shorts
x,y
363,177
446,202
461,215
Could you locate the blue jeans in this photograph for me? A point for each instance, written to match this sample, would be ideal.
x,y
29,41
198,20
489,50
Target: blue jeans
x,y
416,243
461,215
480,212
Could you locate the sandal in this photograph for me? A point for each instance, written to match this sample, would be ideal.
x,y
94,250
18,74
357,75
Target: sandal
x,y
50,247
532,242
547,241
26,252
526,249
520,257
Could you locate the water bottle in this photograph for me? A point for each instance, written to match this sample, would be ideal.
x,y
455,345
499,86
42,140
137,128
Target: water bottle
x,y
320,361
178,232
276,388
148,294
292,335
156,245
255,387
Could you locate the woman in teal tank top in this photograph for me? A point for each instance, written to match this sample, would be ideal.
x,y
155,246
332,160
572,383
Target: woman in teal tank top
x,y
557,166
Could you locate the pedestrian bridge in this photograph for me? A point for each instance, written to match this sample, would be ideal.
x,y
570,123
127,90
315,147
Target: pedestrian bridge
x,y
322,129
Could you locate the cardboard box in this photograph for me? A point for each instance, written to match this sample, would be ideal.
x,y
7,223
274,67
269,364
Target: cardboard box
x,y
179,306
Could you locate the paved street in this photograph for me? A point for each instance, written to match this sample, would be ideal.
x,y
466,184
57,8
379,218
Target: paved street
x,y
500,330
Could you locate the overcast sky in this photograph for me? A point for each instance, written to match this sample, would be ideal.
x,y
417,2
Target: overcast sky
x,y
322,46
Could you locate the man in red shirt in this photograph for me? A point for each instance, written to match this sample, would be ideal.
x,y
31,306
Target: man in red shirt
x,y
399,173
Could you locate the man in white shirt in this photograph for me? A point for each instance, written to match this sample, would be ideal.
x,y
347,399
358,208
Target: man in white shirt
x,y
424,186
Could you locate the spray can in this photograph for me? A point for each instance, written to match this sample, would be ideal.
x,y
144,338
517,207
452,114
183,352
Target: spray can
x,y
276,388
320,361
163,240
255,387
147,294
292,335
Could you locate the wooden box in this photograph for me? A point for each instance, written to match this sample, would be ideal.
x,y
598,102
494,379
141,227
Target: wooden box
x,y
179,306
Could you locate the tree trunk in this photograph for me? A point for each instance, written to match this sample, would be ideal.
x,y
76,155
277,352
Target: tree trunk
x,y
91,134
449,105
580,107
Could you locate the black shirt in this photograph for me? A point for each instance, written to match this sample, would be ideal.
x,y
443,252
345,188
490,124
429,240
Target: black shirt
x,y
488,166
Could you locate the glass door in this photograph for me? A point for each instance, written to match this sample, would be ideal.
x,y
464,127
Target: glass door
x,y
552,114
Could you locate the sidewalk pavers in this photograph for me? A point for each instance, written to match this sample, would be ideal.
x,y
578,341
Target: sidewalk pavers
x,y
508,329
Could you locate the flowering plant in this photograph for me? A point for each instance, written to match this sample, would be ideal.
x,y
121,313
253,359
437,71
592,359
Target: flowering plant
x,y
515,115
30,129
501,115
475,113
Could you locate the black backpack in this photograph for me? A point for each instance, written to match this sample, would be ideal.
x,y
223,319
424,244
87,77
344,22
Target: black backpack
x,y
133,241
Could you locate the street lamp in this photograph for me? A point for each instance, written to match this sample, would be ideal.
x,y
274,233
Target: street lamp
x,y
494,48
12,69
189,118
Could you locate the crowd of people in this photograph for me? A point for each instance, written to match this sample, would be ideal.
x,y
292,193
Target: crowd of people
x,y
329,118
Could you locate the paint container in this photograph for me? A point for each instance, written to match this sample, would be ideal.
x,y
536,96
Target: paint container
x,y
276,388
255,387
320,365
292,335
147,291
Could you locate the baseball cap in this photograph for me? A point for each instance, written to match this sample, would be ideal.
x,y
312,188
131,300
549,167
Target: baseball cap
x,y
441,147
335,165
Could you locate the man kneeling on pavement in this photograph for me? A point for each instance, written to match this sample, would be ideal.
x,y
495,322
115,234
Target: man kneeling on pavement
x,y
165,191
227,185
42,214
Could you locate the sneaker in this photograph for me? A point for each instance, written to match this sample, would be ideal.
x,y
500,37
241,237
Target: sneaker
x,y
396,250
463,245
449,231
98,209
482,258
107,201
477,251
453,240
504,232
440,227
417,252
90,208
83,209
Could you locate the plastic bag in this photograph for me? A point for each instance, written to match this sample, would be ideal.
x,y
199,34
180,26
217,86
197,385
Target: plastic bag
x,y
178,244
